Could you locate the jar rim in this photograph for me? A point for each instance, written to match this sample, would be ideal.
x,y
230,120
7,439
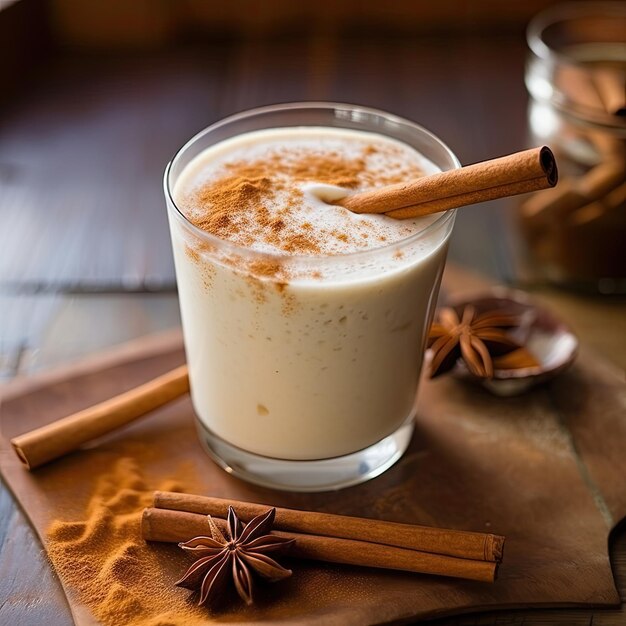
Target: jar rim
x,y
571,38
562,13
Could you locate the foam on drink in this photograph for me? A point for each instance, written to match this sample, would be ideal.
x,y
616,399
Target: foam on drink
x,y
269,190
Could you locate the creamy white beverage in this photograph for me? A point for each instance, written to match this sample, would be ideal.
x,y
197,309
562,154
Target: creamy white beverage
x,y
304,323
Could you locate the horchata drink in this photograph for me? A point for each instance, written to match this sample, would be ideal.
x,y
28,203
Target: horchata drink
x,y
304,323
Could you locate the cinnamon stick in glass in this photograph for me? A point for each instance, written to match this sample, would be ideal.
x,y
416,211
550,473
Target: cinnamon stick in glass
x,y
521,172
65,435
176,526
464,544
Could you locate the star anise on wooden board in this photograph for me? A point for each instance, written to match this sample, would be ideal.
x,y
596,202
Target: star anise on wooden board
x,y
480,339
237,556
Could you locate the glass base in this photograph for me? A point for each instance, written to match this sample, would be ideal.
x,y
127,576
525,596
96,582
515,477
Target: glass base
x,y
322,475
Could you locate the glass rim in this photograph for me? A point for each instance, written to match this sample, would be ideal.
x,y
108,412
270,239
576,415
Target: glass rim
x,y
235,248
562,13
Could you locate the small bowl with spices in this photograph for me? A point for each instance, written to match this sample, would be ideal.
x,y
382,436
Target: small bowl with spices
x,y
500,339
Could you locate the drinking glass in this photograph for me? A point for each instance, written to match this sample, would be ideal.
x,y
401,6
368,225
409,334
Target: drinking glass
x,y
307,384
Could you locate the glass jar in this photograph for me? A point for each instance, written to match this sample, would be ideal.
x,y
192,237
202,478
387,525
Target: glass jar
x,y
305,378
575,75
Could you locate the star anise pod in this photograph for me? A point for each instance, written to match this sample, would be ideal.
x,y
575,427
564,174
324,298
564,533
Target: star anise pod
x,y
475,337
244,551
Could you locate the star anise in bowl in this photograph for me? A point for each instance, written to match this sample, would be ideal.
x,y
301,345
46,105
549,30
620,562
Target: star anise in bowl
x,y
236,556
476,337
501,339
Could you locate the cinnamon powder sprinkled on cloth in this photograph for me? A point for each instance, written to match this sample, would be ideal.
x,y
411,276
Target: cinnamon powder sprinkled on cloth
x,y
106,563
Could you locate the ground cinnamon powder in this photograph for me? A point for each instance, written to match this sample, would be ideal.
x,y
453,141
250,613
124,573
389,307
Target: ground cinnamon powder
x,y
257,203
234,206
229,196
112,570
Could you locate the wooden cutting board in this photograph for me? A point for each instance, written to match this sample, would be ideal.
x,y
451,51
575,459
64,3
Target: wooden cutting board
x,y
545,469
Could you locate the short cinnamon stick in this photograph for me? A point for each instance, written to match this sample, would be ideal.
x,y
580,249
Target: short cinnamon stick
x,y
175,526
529,170
65,435
464,544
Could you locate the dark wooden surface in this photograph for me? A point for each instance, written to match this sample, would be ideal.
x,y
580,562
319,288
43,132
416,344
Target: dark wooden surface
x,y
84,244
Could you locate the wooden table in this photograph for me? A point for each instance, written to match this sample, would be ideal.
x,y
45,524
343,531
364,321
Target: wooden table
x,y
84,252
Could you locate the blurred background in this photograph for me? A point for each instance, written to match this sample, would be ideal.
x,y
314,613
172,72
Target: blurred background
x,y
97,96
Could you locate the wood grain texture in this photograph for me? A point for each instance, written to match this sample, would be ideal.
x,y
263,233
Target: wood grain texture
x,y
26,597
54,150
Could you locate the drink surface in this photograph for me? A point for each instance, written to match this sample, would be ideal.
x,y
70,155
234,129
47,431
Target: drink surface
x,y
269,190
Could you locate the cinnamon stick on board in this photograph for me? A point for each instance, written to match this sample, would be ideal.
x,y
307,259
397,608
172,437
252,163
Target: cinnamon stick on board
x,y
457,543
175,526
521,172
65,435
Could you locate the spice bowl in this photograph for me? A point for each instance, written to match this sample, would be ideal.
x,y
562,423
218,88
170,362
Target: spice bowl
x,y
548,338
